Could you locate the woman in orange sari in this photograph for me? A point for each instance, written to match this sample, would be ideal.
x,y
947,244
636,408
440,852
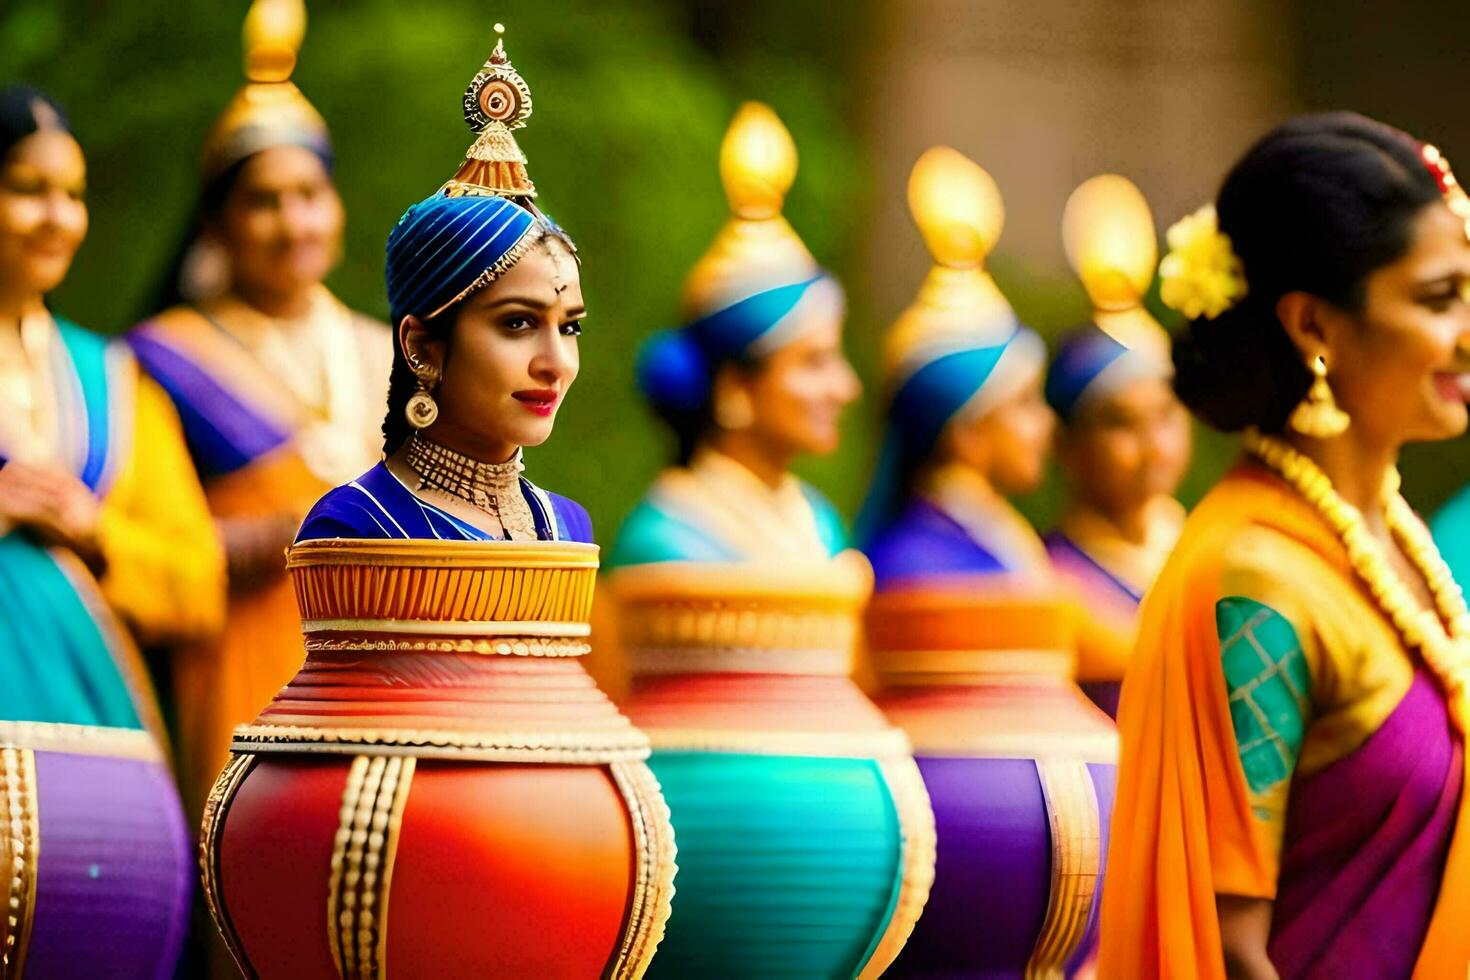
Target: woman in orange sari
x,y
1291,792
273,377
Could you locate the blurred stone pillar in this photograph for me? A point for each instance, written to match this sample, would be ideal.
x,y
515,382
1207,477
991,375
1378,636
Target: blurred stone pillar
x,y
1046,93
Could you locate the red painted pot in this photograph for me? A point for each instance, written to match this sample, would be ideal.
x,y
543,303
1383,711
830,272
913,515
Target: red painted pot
x,y
442,790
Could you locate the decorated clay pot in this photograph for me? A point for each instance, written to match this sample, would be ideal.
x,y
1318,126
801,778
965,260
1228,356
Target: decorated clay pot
x,y
97,853
1020,769
441,791
805,838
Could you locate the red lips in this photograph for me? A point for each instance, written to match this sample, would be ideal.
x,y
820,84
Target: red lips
x,y
1453,387
542,401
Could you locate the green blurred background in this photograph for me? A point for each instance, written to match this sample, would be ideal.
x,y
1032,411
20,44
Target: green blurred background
x,y
631,100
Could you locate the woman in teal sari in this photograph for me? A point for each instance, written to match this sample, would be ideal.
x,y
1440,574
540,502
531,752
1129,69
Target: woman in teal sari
x,y
805,839
104,540
755,378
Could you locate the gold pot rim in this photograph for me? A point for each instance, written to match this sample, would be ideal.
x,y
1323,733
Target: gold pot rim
x,y
418,552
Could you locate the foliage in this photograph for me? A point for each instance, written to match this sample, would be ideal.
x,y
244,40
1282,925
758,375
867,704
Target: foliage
x,y
631,99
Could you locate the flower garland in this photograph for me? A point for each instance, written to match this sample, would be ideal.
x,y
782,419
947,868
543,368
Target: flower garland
x,y
1444,648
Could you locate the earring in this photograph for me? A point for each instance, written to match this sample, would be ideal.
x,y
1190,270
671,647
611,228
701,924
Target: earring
x,y
733,413
1318,415
421,409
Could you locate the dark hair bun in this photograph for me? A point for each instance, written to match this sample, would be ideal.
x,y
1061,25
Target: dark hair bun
x,y
1315,206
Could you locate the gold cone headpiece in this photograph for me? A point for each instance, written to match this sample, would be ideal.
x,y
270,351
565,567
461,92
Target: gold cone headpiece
x,y
270,110
959,211
1108,232
497,102
757,248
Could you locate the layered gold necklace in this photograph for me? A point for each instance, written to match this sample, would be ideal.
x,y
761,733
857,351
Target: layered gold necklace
x,y
494,488
1441,635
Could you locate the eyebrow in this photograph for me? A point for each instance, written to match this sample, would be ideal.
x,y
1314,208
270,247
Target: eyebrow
x,y
531,301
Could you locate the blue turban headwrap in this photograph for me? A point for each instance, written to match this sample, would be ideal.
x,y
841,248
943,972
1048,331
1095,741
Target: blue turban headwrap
x,y
444,248
676,368
944,382
1091,364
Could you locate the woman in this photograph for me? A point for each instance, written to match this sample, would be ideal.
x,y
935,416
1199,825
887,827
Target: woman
x,y
479,371
1124,439
444,600
1124,447
271,374
1291,798
967,425
792,798
104,541
972,637
754,379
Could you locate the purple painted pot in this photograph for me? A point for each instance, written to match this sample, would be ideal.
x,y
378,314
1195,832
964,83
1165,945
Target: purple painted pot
x,y
101,862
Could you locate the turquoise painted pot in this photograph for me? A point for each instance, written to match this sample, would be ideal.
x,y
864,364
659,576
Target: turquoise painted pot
x,y
805,836
788,865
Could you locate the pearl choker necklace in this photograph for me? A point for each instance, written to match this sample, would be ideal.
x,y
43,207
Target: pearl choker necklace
x,y
494,488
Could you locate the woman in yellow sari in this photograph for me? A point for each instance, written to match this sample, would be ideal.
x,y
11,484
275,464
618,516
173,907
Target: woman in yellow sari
x,y
1291,792
104,541
273,377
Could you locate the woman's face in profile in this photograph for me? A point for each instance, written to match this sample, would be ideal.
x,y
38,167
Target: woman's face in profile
x,y
1127,447
798,392
1401,371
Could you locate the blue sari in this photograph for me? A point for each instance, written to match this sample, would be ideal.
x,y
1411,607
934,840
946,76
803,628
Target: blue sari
x,y
377,505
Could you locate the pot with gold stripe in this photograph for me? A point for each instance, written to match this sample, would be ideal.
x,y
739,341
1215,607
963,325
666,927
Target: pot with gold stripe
x,y
441,790
1019,765
806,840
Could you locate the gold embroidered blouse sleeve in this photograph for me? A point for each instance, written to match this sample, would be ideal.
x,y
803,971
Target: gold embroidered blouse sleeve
x,y
165,567
1310,668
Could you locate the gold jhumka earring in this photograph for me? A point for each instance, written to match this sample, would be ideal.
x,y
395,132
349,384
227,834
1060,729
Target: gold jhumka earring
x,y
1318,415
421,409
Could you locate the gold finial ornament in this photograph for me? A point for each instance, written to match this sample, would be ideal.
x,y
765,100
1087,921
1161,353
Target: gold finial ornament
x,y
497,101
270,110
958,209
274,30
1108,233
757,248
1318,415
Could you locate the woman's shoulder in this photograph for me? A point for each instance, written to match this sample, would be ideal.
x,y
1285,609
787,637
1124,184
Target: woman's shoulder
x,y
360,508
830,524
651,533
923,543
573,523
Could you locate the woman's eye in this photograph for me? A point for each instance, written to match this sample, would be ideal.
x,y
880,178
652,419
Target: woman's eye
x,y
1439,302
572,329
516,324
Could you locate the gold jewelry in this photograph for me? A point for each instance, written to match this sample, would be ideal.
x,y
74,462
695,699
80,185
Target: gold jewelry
x,y
1442,639
421,409
1318,415
494,488
734,412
